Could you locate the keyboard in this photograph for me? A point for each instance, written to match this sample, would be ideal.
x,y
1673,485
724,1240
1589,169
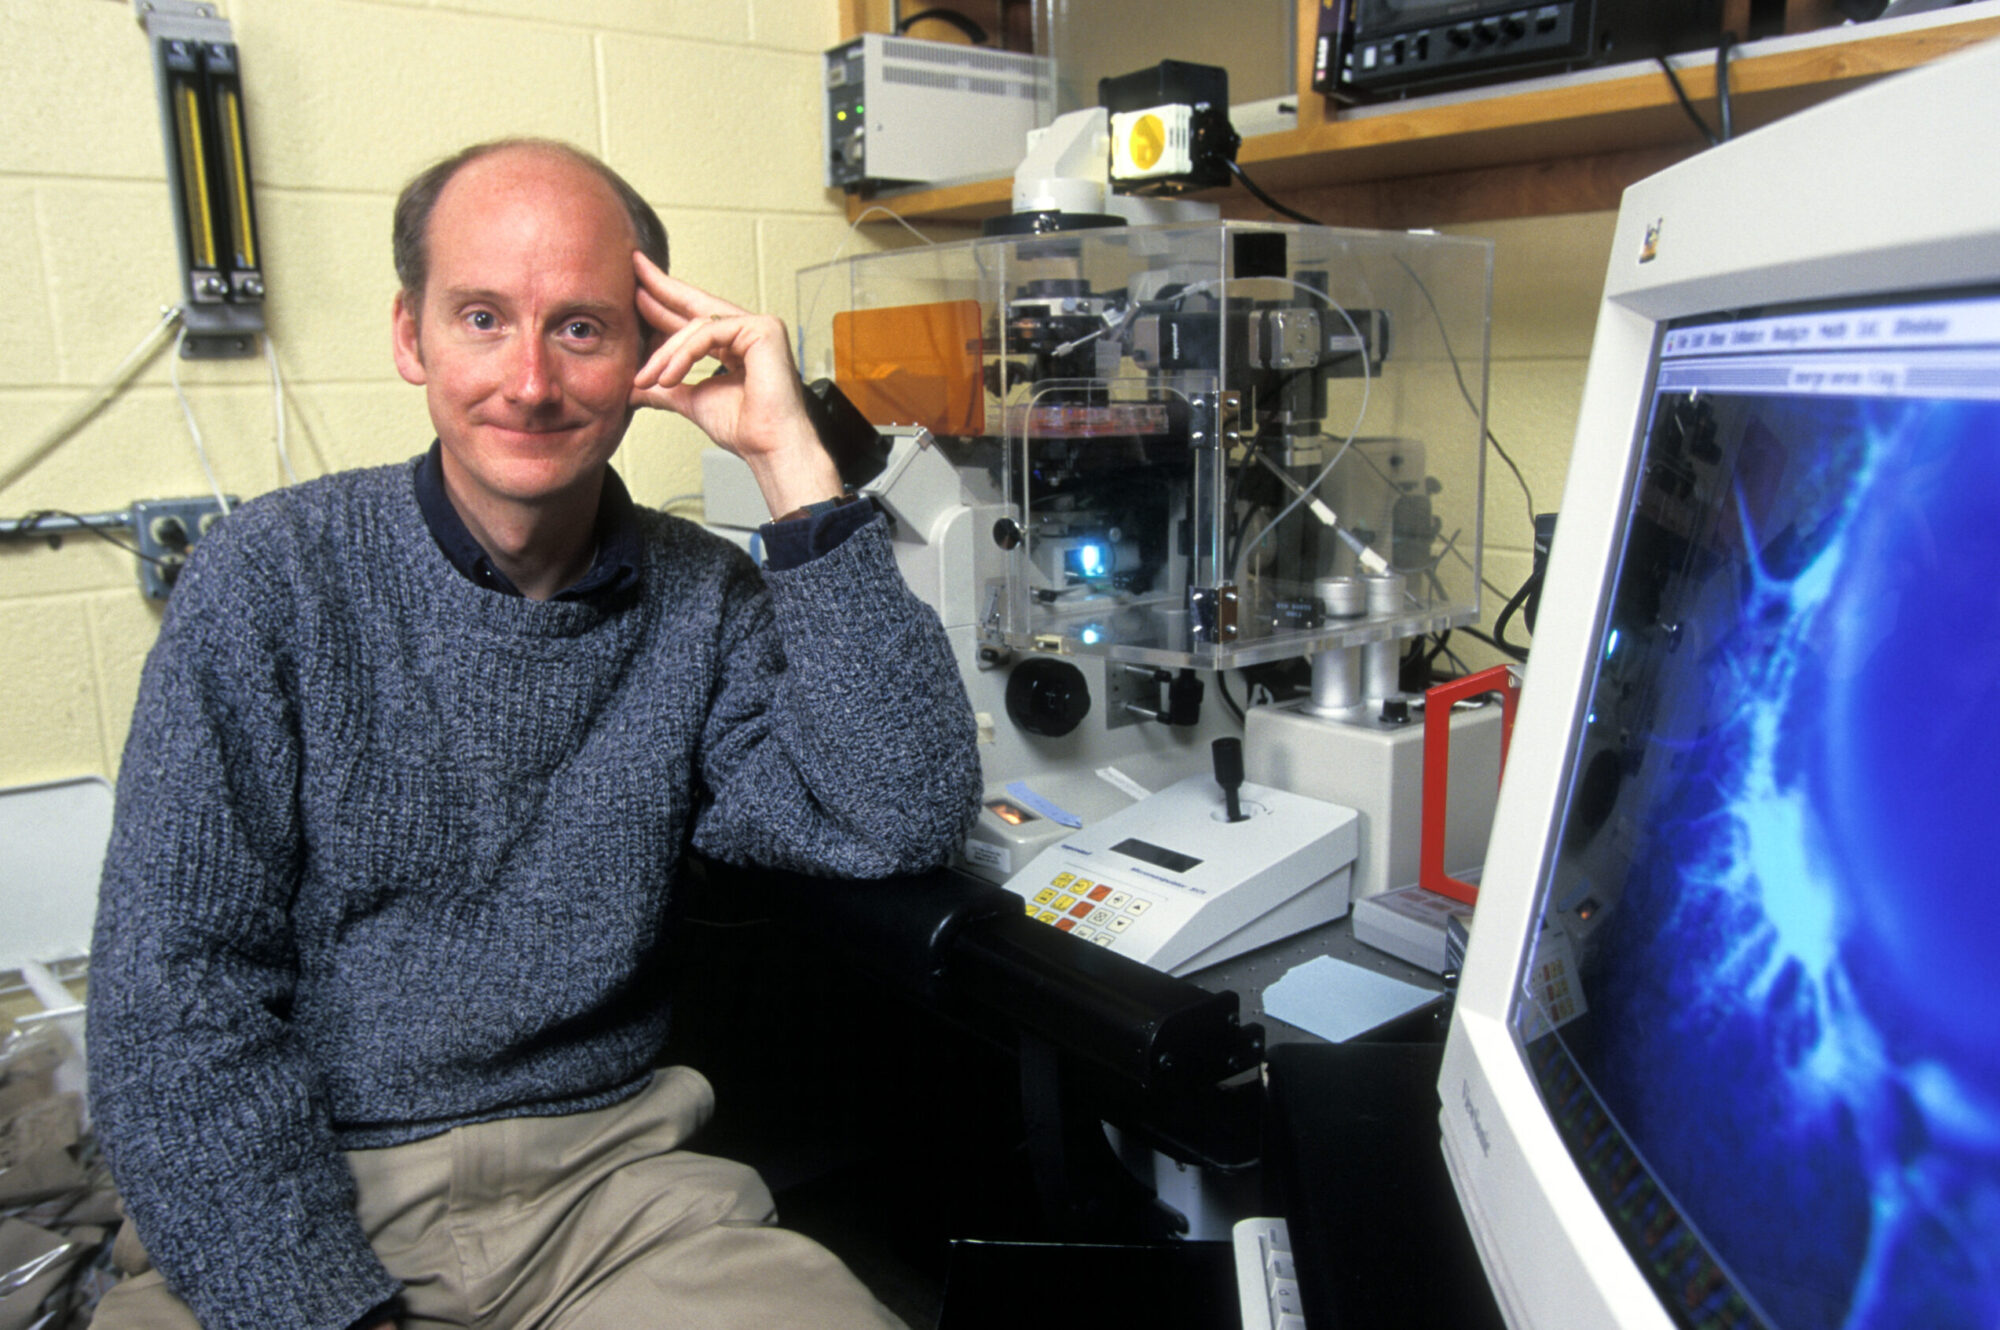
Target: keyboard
x,y
1267,1285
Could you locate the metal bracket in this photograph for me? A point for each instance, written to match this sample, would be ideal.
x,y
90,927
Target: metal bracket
x,y
1131,694
1213,610
1212,419
177,18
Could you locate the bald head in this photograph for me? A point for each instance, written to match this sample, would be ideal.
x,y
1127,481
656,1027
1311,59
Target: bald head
x,y
414,206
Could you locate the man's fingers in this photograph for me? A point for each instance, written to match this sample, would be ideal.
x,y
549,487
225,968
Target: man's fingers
x,y
680,353
655,311
731,336
684,300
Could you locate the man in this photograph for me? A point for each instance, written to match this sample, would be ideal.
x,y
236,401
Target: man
x,y
376,994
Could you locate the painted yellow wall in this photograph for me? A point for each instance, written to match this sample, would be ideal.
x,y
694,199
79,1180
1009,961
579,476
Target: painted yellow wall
x,y
709,106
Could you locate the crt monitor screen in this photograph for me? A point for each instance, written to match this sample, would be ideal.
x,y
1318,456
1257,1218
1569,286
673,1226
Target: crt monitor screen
x,y
1761,999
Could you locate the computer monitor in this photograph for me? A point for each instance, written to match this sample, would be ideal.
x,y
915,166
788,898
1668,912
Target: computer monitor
x,y
1723,1052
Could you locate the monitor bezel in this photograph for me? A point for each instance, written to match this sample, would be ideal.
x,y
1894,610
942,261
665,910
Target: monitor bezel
x,y
1851,201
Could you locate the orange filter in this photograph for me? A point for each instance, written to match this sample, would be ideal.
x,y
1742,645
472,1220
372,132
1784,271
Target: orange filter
x,y
913,365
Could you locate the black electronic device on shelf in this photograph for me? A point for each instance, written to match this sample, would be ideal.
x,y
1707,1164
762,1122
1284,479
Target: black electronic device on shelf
x,y
1400,47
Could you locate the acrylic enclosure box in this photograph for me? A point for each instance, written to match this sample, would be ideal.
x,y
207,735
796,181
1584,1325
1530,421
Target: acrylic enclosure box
x,y
1194,424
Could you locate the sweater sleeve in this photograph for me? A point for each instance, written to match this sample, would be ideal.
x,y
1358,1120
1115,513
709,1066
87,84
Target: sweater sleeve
x,y
215,1126
839,740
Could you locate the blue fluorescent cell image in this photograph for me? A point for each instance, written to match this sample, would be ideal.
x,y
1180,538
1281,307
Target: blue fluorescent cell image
x,y
1786,800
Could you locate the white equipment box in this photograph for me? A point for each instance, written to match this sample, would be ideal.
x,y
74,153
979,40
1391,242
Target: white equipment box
x,y
903,110
1410,924
1172,883
52,843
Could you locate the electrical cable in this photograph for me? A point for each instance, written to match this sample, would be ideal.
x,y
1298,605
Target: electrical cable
x,y
1478,636
1465,392
105,390
1266,199
1687,105
1457,662
1440,646
194,430
868,212
1529,588
1519,479
278,409
1222,690
1724,113
1531,606
951,18
1370,561
29,522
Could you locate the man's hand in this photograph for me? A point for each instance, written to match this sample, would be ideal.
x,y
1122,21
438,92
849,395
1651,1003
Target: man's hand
x,y
753,406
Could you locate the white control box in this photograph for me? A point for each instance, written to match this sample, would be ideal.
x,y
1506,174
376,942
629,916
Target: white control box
x,y
1172,883
1377,769
899,110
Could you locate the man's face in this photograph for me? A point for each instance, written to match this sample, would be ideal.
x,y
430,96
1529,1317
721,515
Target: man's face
x,y
527,337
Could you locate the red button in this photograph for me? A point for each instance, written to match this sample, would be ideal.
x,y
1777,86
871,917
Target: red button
x,y
1099,892
1081,908
1065,924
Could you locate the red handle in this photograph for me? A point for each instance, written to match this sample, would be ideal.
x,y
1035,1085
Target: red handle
x,y
1437,769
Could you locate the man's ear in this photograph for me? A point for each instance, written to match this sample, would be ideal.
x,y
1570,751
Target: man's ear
x,y
403,332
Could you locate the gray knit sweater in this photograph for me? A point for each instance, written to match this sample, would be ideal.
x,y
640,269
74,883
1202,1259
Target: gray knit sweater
x,y
392,852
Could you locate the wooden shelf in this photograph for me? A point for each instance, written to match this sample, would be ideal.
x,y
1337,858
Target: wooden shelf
x,y
1549,146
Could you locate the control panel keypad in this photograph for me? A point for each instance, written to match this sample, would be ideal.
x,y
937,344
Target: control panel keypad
x,y
1093,911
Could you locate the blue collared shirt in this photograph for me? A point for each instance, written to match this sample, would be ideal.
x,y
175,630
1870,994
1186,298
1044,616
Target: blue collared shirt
x,y
616,567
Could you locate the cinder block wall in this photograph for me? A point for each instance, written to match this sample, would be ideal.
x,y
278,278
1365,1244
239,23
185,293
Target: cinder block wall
x,y
709,106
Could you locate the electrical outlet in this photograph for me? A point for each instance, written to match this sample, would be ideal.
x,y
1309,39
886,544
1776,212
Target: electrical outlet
x,y
166,530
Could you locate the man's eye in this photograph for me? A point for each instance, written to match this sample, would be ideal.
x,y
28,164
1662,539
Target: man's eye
x,y
482,319
581,330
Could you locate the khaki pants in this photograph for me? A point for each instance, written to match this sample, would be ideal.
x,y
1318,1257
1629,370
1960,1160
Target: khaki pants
x,y
591,1220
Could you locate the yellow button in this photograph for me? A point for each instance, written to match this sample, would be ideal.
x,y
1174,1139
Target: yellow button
x,y
1045,895
1046,917
1062,879
1063,903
